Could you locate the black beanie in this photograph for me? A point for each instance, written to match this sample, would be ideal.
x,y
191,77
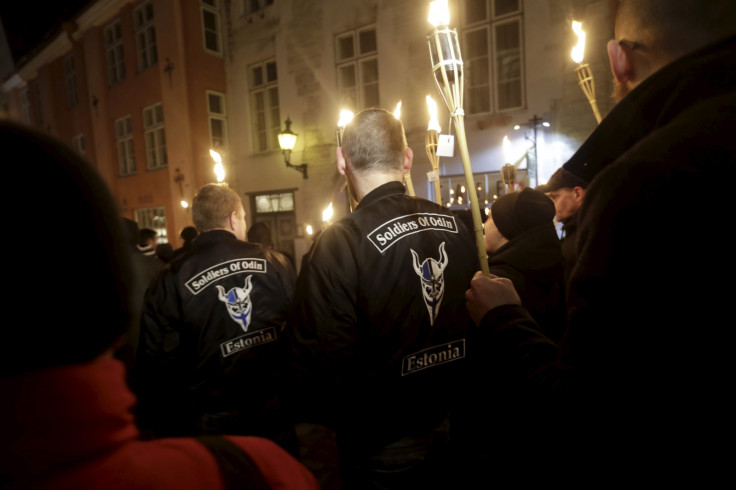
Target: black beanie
x,y
517,212
72,289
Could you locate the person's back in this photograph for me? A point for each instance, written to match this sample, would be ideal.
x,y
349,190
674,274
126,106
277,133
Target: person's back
x,y
644,359
208,359
66,419
378,331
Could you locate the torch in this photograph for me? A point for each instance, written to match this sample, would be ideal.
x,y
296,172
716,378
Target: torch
x,y
219,169
447,66
433,132
345,117
585,76
407,176
508,171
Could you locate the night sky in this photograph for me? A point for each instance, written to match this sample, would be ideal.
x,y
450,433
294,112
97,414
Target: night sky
x,y
28,22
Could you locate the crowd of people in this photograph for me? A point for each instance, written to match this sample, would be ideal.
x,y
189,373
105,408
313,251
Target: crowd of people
x,y
599,358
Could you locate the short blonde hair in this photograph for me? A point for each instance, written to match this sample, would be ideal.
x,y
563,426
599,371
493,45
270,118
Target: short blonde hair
x,y
213,205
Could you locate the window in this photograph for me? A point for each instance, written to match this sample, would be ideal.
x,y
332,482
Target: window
x,y
155,219
357,69
145,35
492,55
78,144
264,99
275,203
155,136
70,76
250,6
114,51
211,26
216,115
124,138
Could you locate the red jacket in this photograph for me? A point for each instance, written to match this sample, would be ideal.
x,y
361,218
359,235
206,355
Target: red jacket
x,y
72,428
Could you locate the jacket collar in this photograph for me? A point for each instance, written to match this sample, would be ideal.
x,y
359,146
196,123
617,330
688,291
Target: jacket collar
x,y
703,74
388,189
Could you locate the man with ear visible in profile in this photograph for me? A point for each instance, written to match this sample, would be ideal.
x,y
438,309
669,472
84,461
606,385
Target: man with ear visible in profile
x,y
66,415
638,386
567,191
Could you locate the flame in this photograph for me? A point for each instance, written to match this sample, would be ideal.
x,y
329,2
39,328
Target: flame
x,y
345,117
219,169
215,156
579,50
327,213
397,111
434,124
506,149
439,13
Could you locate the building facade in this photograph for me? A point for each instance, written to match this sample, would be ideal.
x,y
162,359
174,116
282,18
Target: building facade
x,y
158,83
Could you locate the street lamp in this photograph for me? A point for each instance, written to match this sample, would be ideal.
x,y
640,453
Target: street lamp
x,y
219,169
287,140
533,123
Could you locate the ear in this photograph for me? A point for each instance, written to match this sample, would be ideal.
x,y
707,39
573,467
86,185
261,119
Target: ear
x,y
620,63
408,158
578,193
341,164
233,220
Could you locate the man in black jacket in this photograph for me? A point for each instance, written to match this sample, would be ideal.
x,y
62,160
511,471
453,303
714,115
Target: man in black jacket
x,y
567,191
637,385
378,334
208,359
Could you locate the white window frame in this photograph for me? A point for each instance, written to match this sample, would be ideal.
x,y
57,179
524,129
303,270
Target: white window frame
x,y
211,30
154,134
126,149
70,78
265,108
78,144
492,59
114,52
155,219
145,35
361,63
217,116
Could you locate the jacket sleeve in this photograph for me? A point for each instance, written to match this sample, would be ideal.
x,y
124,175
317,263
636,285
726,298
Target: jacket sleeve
x,y
158,372
321,332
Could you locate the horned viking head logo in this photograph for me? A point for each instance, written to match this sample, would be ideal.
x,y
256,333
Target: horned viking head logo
x,y
238,303
430,273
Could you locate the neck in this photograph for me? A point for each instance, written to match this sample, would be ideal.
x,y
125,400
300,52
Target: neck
x,y
362,183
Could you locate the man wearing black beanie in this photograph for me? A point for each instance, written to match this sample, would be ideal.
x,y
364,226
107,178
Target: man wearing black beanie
x,y
66,418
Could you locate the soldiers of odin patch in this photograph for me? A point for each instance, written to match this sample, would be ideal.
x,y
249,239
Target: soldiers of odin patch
x,y
238,344
433,356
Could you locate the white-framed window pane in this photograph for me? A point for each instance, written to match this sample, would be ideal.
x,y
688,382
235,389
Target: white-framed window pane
x,y
357,69
78,144
493,55
265,111
124,140
113,35
504,7
211,26
154,137
475,11
155,219
508,64
145,35
216,114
